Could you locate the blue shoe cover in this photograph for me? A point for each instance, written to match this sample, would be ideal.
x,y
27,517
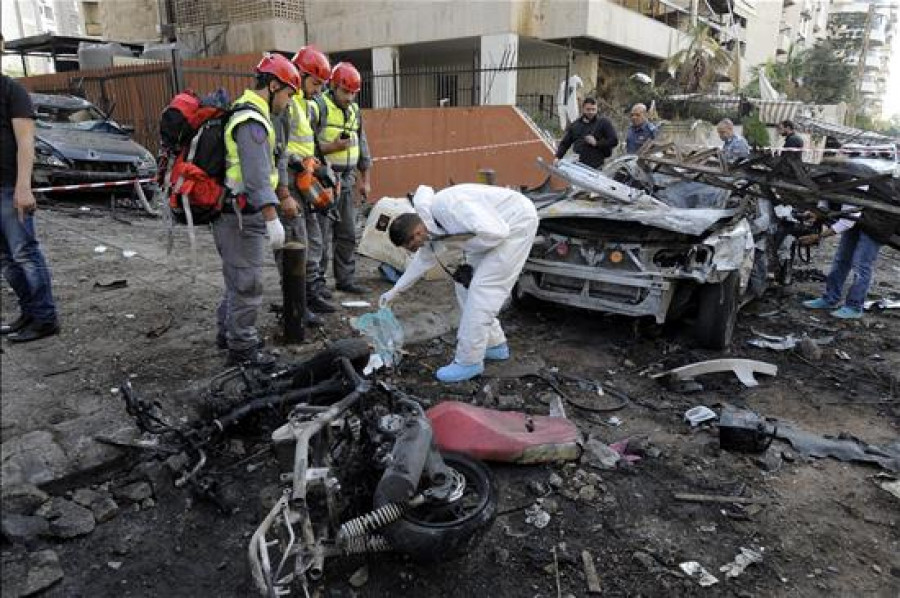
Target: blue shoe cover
x,y
497,352
819,303
847,313
457,372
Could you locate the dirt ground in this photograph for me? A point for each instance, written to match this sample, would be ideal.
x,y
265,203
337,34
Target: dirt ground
x,y
826,530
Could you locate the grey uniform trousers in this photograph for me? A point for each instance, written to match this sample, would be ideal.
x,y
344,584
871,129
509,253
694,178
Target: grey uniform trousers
x,y
243,251
341,230
306,229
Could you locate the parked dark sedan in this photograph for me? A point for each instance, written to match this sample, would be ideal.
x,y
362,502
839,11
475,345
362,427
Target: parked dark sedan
x,y
77,143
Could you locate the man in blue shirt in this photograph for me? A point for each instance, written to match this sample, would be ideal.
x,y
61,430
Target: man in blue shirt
x,y
641,130
734,147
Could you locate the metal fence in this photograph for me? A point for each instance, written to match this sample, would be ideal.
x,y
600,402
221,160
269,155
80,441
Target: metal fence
x,y
462,85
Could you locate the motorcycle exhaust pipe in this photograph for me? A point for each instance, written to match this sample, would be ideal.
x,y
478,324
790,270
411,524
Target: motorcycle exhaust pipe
x,y
401,478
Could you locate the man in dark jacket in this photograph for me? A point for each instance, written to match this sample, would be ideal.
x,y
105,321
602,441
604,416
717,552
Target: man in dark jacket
x,y
592,136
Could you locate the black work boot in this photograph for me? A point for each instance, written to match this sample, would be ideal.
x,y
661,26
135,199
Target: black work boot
x,y
16,325
250,358
320,305
354,288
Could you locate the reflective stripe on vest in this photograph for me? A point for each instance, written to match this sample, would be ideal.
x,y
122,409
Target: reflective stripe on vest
x,y
335,124
234,178
301,140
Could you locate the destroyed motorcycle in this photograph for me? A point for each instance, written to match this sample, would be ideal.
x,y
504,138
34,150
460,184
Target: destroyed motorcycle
x,y
363,472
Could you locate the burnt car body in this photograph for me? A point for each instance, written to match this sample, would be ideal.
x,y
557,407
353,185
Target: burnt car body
x,y
629,242
75,142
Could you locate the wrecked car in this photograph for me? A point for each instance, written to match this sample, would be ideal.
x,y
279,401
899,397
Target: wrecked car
x,y
631,242
75,142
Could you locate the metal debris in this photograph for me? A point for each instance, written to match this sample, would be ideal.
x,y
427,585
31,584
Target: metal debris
x,y
743,560
742,368
590,573
696,571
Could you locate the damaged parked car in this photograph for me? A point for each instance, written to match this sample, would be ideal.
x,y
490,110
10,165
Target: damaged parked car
x,y
75,143
628,241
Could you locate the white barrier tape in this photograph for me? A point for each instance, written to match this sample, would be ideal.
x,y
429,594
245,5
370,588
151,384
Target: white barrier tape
x,y
860,150
92,185
460,150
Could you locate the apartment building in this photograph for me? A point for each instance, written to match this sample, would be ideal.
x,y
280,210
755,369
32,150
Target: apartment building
x,y
24,18
122,20
863,33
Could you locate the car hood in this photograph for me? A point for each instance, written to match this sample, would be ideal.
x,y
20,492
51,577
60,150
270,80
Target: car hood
x,y
595,195
91,145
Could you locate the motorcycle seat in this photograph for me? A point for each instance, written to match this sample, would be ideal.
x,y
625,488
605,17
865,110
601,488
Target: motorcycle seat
x,y
505,436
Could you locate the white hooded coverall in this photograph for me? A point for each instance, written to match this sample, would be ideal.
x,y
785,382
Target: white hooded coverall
x,y
504,223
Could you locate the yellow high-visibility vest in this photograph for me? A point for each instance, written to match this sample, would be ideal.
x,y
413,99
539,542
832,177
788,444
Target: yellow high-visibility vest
x,y
301,139
335,124
234,178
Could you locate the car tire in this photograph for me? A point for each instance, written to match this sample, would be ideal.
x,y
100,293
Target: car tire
x,y
717,312
430,536
521,300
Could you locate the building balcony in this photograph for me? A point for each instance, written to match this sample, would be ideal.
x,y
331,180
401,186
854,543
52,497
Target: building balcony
x,y
868,87
877,36
873,63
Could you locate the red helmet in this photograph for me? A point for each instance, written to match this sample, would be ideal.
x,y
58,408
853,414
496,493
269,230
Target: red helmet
x,y
281,68
310,61
345,75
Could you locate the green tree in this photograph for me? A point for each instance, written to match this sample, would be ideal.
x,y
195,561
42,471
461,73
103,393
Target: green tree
x,y
826,78
704,62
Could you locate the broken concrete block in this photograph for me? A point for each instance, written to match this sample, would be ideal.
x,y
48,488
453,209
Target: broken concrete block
x,y
86,497
135,492
33,458
158,474
104,509
22,499
44,570
67,520
24,529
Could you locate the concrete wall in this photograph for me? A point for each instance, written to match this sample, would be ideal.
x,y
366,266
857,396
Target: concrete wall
x,y
130,20
348,25
342,25
394,134
260,36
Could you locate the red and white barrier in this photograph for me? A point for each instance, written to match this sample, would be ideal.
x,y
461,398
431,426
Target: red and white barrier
x,y
93,185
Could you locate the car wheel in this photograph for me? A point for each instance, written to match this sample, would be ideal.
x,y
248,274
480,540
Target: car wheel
x,y
521,300
717,312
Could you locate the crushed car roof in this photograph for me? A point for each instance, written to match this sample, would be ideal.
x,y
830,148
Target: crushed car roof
x,y
609,199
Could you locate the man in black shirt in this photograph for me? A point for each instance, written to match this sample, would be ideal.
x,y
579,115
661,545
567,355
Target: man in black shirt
x,y
20,253
791,139
593,136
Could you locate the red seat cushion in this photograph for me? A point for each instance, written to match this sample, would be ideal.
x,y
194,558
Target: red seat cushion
x,y
503,435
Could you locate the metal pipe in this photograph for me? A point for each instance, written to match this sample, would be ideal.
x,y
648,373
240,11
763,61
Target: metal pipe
x,y
304,432
293,288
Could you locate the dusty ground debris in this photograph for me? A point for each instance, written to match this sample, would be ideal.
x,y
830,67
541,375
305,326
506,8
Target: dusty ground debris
x,y
634,528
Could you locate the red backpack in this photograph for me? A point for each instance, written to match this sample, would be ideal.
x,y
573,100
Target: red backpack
x,y
192,133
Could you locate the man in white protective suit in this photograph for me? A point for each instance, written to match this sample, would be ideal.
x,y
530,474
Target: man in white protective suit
x,y
495,228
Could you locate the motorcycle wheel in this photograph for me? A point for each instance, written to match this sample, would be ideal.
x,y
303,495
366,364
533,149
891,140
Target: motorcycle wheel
x,y
437,532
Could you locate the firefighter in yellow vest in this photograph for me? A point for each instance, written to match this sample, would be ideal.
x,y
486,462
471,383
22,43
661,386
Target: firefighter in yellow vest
x,y
343,142
295,129
249,215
